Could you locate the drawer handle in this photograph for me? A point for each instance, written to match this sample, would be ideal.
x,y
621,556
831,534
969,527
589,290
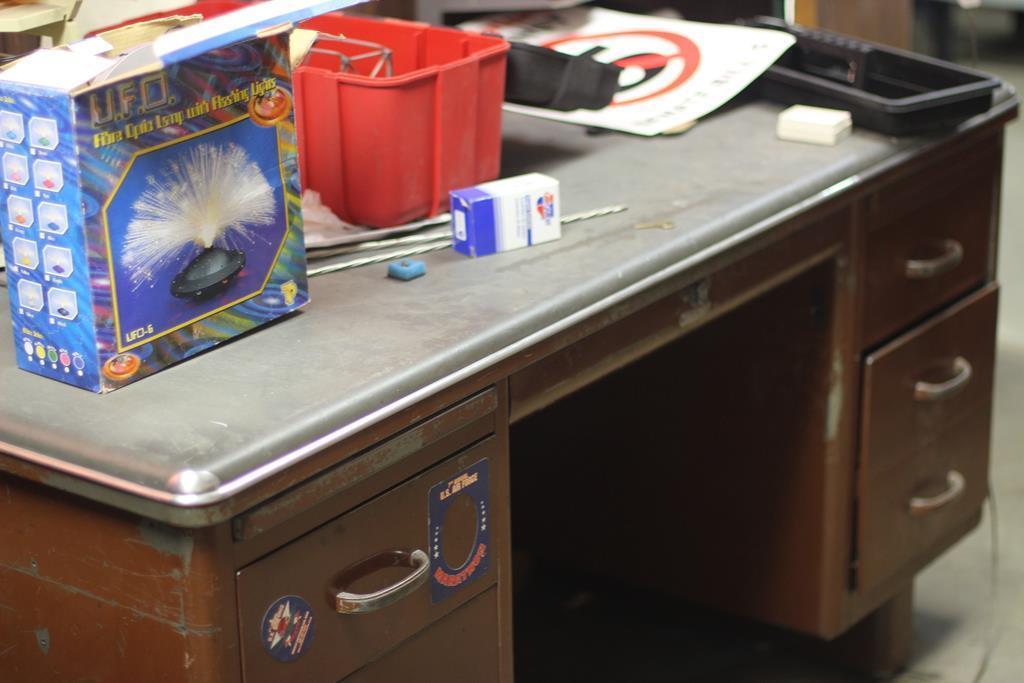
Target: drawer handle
x,y
955,485
360,603
937,391
922,269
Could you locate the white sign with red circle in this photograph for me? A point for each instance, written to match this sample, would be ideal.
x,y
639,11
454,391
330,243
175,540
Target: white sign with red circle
x,y
674,71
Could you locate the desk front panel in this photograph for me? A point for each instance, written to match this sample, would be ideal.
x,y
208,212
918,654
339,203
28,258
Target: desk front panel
x,y
317,566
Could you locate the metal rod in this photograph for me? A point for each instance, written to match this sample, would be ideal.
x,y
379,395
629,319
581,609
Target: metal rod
x,y
418,238
434,242
343,249
383,54
593,213
379,258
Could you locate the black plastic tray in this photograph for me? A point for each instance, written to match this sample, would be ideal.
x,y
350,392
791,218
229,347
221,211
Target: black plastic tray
x,y
888,90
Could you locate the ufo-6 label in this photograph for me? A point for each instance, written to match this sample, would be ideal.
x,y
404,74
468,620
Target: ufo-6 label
x,y
287,628
473,482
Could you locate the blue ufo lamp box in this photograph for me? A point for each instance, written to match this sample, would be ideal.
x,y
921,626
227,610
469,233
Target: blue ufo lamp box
x,y
150,200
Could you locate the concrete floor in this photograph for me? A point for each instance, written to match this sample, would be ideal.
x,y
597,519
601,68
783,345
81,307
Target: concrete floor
x,y
962,617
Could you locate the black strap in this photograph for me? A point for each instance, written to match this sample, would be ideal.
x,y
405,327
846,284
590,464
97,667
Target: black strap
x,y
546,78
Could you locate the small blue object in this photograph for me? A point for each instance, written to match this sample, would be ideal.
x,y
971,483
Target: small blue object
x,y
406,269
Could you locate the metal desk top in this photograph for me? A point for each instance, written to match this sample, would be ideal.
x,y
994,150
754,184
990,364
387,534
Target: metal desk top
x,y
366,347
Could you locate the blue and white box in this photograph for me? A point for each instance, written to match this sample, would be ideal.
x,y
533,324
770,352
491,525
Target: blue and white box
x,y
105,286
506,214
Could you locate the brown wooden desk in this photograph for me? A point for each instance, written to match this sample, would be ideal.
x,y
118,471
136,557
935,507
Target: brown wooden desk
x,y
788,424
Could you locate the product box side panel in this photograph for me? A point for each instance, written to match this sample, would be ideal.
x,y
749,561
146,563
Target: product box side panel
x,y
474,222
45,247
190,181
291,261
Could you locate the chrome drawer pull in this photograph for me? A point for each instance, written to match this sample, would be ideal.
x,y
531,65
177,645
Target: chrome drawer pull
x,y
936,391
955,482
360,603
922,269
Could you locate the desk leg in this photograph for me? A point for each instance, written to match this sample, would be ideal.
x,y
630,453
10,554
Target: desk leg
x,y
880,644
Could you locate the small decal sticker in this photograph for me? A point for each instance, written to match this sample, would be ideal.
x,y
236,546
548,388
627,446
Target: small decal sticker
x,y
287,628
473,482
546,207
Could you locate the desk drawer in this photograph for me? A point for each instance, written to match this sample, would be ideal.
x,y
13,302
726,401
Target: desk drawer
x,y
461,648
356,553
925,436
902,413
931,246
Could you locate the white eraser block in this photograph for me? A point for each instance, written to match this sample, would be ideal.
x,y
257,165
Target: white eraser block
x,y
816,125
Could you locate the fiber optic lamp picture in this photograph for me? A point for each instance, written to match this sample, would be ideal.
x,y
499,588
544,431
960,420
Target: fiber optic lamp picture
x,y
201,200
200,224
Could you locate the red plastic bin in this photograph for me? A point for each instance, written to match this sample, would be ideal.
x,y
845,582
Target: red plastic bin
x,y
382,151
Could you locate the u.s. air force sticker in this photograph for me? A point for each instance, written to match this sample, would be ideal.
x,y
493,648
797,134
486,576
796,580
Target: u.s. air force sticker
x,y
473,483
287,628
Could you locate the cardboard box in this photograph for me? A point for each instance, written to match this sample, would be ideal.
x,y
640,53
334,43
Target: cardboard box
x,y
505,214
151,193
